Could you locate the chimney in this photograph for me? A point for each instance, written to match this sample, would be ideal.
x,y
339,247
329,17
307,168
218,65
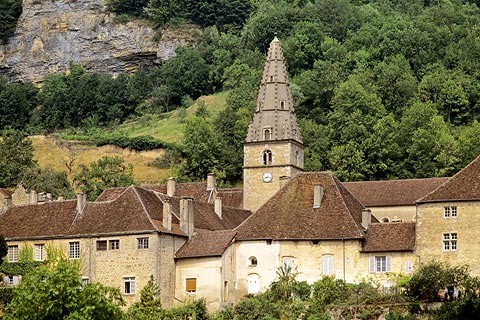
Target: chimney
x,y
211,181
81,202
283,181
7,202
49,197
33,197
218,207
171,187
167,215
186,216
366,218
317,195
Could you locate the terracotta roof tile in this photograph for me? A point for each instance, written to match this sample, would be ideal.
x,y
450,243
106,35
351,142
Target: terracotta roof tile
x,y
393,236
6,192
392,192
206,244
463,186
231,197
42,220
290,214
110,194
197,190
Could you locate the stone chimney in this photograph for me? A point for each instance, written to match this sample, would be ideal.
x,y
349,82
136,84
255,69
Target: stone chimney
x,y
167,214
283,181
7,202
211,182
33,197
186,216
366,218
317,195
171,187
218,207
81,202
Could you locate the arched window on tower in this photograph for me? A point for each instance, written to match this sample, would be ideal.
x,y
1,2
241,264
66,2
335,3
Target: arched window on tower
x,y
267,157
282,105
271,78
267,134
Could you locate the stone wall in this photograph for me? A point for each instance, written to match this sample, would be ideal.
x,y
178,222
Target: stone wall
x,y
431,225
52,33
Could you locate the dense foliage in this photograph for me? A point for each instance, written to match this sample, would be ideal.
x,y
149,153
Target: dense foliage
x,y
107,172
10,11
16,156
55,291
382,89
3,248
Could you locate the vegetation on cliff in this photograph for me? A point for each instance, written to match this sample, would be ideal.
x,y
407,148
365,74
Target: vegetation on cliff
x,y
10,11
382,89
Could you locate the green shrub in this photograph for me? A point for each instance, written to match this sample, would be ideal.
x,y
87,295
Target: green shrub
x,y
194,310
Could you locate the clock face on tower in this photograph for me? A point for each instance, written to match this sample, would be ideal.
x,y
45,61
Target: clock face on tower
x,y
267,177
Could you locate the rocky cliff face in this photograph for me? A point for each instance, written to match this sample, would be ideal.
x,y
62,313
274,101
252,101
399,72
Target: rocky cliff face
x,y
51,33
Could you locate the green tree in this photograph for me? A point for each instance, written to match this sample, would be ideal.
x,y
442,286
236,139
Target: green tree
x,y
16,156
10,11
108,172
201,147
130,7
3,248
17,101
149,307
48,180
54,291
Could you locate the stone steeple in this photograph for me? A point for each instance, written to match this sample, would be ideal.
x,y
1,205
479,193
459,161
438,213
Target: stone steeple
x,y
274,117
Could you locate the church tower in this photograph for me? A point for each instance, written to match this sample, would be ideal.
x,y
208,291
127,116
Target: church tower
x,y
273,150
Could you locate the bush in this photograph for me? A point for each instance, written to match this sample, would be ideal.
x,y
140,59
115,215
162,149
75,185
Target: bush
x,y
194,310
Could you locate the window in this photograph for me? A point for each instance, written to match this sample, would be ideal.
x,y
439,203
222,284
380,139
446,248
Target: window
x,y
39,252
379,264
191,285
12,253
450,212
327,265
282,105
129,285
288,262
450,241
74,250
408,266
385,219
268,242
271,78
252,261
142,243
102,245
85,281
11,280
267,134
267,157
114,244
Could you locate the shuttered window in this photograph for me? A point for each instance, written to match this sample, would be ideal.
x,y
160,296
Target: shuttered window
x,y
191,285
327,265
379,264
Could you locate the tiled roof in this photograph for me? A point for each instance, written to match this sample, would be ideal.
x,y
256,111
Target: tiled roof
x,y
231,197
6,192
136,209
206,244
393,236
47,219
463,186
392,192
197,190
290,214
110,194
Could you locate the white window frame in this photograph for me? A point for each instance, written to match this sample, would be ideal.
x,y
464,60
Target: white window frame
x,y
74,250
13,253
450,212
129,285
408,266
39,253
450,241
328,265
380,264
114,244
142,243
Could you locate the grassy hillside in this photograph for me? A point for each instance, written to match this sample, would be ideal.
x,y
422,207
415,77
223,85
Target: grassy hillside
x,y
54,152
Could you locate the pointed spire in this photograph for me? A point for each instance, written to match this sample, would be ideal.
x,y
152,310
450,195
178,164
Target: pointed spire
x,y
274,117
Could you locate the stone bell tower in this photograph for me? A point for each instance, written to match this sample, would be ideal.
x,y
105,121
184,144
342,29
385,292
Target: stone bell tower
x,y
273,150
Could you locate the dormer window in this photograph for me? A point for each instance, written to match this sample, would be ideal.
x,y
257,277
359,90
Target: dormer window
x,y
267,157
267,134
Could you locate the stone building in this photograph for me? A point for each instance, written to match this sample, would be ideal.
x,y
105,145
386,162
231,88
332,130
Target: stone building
x,y
199,241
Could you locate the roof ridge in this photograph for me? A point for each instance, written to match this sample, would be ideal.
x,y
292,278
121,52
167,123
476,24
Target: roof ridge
x,y
336,183
395,180
449,179
145,211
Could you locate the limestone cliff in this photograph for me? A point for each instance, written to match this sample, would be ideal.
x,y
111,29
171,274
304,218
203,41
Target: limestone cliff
x,y
51,33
